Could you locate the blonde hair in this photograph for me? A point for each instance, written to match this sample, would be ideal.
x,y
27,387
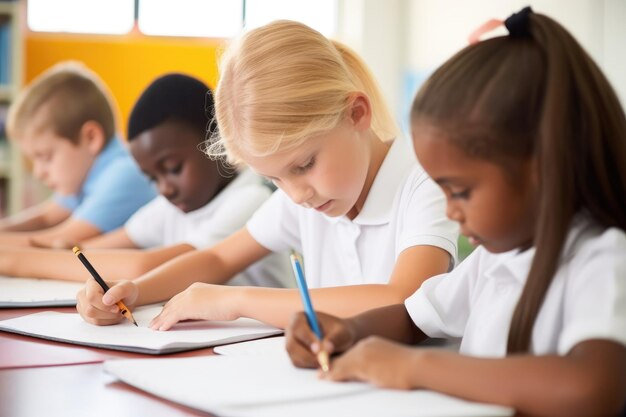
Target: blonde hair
x,y
71,95
283,83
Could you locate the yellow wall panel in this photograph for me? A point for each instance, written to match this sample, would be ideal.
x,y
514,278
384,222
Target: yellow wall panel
x,y
126,63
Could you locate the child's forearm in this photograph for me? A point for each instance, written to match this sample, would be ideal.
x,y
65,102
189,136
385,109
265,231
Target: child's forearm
x,y
112,264
171,278
580,384
22,224
15,239
391,322
42,216
276,306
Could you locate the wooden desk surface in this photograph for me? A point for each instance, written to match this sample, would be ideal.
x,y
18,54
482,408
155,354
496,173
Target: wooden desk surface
x,y
77,390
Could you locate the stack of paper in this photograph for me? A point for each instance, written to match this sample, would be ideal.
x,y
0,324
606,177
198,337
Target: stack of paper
x,y
71,328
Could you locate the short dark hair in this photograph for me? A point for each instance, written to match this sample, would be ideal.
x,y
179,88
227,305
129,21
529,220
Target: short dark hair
x,y
173,97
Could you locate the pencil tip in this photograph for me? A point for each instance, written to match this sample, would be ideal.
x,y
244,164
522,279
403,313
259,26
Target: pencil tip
x,y
324,361
75,249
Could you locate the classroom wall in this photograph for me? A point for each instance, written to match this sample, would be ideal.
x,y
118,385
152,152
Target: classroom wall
x,y
438,29
126,63
377,31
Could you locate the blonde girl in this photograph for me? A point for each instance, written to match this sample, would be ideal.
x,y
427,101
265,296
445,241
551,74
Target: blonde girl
x,y
305,112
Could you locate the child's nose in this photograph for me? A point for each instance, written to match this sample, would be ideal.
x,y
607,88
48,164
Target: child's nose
x,y
39,172
166,189
300,193
454,213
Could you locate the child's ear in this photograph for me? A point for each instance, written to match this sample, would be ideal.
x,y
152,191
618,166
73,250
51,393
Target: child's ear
x,y
360,111
92,134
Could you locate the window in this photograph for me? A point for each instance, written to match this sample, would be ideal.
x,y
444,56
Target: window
x,y
319,14
198,18
81,16
202,18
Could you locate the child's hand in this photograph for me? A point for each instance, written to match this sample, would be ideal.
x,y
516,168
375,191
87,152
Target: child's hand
x,y
198,302
302,344
378,361
7,261
101,309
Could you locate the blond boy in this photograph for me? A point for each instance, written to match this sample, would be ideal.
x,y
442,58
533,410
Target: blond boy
x,y
64,123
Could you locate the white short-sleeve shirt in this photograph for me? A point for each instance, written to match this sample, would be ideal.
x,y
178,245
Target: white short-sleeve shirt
x,y
160,223
404,208
586,299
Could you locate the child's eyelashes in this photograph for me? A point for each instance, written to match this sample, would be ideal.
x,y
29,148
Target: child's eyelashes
x,y
307,166
170,171
460,195
174,169
43,157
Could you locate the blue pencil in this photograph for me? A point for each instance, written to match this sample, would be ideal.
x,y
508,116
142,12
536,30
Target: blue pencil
x,y
322,356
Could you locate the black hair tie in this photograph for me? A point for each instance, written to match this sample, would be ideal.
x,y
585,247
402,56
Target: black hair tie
x,y
517,23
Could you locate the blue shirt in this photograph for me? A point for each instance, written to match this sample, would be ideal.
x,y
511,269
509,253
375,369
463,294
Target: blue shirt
x,y
113,190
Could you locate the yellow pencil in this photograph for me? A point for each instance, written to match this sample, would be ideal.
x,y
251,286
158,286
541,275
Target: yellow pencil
x,y
123,309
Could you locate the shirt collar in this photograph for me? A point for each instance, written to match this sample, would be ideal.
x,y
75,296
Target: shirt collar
x,y
395,167
514,264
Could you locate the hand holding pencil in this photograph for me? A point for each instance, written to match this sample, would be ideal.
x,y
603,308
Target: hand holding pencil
x,y
124,310
303,345
321,353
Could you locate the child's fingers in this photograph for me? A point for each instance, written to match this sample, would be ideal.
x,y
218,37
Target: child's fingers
x,y
341,369
93,292
167,318
118,292
92,298
300,331
337,337
300,355
300,342
93,315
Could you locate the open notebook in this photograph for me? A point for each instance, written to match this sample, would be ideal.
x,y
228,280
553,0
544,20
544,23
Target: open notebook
x,y
70,328
242,386
31,292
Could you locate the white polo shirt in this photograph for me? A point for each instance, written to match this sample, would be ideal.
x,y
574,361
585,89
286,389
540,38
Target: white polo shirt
x,y
586,300
160,223
404,208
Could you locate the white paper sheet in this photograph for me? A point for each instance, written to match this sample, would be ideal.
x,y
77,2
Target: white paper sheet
x,y
31,292
241,386
71,328
261,347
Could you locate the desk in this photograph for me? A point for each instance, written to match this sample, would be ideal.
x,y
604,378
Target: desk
x,y
77,390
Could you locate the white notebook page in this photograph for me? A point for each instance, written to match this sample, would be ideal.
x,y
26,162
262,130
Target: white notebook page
x,y
270,386
71,328
31,292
